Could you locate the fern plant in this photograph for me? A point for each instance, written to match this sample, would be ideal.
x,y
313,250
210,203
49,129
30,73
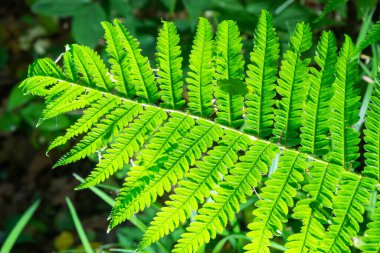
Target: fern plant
x,y
224,133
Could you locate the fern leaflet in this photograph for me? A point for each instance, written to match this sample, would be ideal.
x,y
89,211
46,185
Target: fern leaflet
x,y
292,88
315,116
229,65
201,71
169,62
261,77
345,109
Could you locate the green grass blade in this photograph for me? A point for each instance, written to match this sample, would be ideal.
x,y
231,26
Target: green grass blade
x,y
82,235
16,231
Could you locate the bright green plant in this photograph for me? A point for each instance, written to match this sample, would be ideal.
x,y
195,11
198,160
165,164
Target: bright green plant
x,y
229,138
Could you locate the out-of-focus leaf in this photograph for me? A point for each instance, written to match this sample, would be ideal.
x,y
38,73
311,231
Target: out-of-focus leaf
x,y
123,8
255,7
195,9
86,28
9,122
17,98
233,86
228,5
293,14
60,8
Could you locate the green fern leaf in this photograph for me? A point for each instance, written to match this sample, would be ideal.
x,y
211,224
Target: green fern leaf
x,y
229,65
348,208
190,148
142,75
35,85
292,87
69,69
372,138
119,61
126,123
345,106
321,187
44,67
169,62
152,158
101,134
201,72
89,118
371,240
261,77
213,216
200,181
130,140
276,197
315,124
93,69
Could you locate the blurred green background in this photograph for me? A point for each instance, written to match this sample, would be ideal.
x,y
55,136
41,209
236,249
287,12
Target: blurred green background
x,y
31,29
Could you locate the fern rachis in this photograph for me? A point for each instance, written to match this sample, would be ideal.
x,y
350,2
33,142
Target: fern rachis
x,y
132,116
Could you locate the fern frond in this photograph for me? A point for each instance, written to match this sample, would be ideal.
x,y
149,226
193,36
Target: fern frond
x,y
292,87
213,216
84,99
330,7
200,75
89,118
200,181
57,99
141,73
321,187
101,133
348,208
169,62
45,68
119,61
261,77
156,153
130,140
372,137
276,197
345,106
69,70
94,71
371,239
229,65
371,38
316,113
194,144
197,158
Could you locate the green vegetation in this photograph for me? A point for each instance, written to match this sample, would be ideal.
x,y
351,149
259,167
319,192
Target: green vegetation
x,y
295,148
221,66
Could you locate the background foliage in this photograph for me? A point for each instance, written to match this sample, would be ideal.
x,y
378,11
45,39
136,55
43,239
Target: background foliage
x,y
32,29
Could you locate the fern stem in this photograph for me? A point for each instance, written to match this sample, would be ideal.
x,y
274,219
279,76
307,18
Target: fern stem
x,y
109,94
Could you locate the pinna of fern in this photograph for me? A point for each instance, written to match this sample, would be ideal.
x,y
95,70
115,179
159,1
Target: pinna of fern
x,y
175,142
371,239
